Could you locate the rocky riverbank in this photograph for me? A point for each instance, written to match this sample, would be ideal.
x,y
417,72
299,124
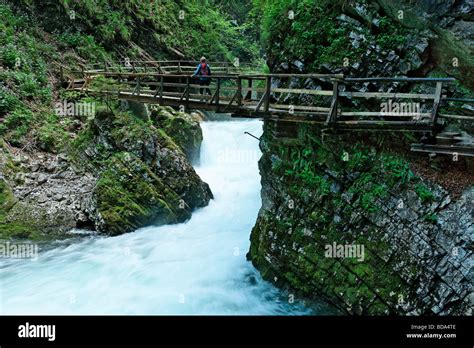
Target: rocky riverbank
x,y
415,238
120,173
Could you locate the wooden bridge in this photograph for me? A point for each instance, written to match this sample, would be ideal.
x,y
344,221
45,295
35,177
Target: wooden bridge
x,y
236,89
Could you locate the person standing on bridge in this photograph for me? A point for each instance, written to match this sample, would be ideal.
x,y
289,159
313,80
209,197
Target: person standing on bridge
x,y
203,71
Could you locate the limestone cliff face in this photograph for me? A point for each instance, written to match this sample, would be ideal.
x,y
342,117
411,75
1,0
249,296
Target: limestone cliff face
x,y
447,26
342,190
120,173
41,195
381,38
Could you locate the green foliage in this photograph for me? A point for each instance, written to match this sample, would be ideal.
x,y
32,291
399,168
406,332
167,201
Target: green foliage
x,y
392,35
8,101
84,45
302,166
316,36
424,193
358,159
16,125
10,230
50,134
194,28
369,191
24,86
431,218
312,35
397,170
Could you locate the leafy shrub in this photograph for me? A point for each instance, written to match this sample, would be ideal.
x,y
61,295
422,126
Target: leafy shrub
x,y
8,101
424,193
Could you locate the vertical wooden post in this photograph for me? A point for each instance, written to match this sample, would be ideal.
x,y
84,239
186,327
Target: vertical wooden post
x,y
249,92
437,100
218,93
138,85
161,89
239,91
332,117
187,92
179,66
268,86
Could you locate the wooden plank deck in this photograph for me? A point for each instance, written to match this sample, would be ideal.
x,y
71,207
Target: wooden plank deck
x,y
246,95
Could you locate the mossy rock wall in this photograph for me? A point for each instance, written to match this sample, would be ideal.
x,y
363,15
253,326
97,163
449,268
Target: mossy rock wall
x,y
317,191
144,176
182,127
121,172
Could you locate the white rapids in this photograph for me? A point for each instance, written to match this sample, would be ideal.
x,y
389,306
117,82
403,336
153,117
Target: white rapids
x,y
196,267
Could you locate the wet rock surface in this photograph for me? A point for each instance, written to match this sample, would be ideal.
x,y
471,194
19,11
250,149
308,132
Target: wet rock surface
x,y
393,38
121,173
417,239
48,196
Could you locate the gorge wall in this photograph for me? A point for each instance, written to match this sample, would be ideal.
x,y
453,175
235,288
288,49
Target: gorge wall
x,y
340,190
401,225
119,174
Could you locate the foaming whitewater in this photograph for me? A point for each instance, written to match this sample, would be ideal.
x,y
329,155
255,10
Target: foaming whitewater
x,y
196,267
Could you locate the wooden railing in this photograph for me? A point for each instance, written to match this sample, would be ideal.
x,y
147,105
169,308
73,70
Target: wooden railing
x,y
165,67
258,95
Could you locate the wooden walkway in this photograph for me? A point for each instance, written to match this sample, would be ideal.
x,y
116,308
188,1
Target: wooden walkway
x,y
236,90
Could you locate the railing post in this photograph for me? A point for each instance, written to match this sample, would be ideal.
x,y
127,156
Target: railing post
x,y
161,89
437,100
268,86
239,91
179,66
187,92
218,93
138,85
332,117
248,96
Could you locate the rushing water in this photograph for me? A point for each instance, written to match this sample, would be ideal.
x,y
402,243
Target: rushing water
x,y
197,267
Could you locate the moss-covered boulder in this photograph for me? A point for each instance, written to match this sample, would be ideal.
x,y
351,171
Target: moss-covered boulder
x,y
182,127
130,195
20,228
144,177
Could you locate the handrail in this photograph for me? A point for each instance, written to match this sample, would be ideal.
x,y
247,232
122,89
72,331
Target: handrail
x,y
399,79
261,99
462,100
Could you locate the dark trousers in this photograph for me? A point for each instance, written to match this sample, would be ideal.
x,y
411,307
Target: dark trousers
x,y
205,82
